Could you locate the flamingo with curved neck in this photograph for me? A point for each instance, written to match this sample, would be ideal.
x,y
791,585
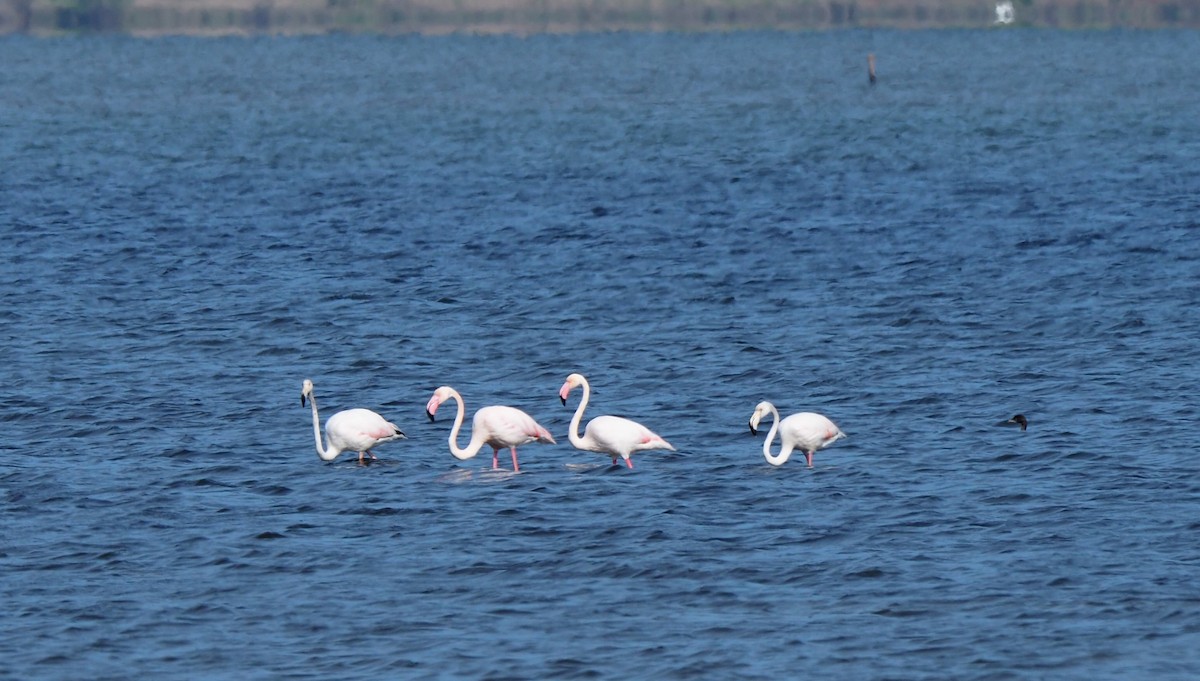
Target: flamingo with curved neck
x,y
354,430
612,435
805,431
499,427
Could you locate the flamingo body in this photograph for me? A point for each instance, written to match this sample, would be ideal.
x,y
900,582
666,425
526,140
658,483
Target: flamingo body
x,y
498,427
612,435
806,431
351,430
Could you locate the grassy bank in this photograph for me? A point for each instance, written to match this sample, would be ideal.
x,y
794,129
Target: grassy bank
x,y
536,16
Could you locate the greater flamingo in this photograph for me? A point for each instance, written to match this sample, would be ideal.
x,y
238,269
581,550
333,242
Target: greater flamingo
x,y
354,430
805,431
498,427
612,435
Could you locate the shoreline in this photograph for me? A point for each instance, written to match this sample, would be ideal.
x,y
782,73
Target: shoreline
x,y
529,17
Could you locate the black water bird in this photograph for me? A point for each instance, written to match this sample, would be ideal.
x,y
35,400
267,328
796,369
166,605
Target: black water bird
x,y
1018,420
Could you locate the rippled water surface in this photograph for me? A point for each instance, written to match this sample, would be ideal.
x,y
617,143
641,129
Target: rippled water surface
x,y
1006,222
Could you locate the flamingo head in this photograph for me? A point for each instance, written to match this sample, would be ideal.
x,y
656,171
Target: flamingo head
x,y
440,395
573,381
306,391
760,411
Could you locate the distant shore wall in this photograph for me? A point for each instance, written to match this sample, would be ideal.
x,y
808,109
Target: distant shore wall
x,y
217,17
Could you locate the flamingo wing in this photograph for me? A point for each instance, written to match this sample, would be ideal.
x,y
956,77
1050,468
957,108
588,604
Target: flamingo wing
x,y
810,431
622,436
360,429
509,427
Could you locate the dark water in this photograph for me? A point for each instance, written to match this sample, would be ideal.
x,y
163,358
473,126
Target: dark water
x,y
1007,222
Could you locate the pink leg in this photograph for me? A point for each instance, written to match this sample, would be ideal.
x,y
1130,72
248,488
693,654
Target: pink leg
x,y
516,468
360,458
808,455
495,458
614,460
629,462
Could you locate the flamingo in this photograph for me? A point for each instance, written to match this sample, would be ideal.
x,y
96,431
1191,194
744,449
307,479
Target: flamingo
x,y
355,430
498,427
610,435
806,431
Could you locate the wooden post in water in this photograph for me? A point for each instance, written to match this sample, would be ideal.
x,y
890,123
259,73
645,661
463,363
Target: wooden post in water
x,y
871,67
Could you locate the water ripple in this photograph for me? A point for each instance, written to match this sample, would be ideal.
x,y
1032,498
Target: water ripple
x,y
694,229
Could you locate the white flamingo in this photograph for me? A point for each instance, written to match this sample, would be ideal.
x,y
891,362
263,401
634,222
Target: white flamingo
x,y
353,430
498,427
612,435
805,431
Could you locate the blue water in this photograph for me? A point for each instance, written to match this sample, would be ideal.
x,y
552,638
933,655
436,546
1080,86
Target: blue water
x,y
1006,222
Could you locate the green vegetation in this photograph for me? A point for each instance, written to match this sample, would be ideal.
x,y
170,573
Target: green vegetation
x,y
534,16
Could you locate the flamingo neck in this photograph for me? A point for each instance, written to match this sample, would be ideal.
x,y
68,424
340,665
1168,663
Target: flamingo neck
x,y
573,433
474,445
325,454
784,453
